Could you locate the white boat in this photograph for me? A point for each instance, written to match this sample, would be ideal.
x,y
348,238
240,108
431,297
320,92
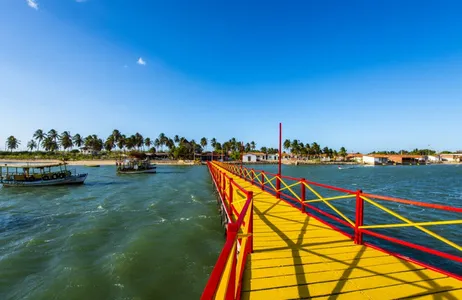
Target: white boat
x,y
36,175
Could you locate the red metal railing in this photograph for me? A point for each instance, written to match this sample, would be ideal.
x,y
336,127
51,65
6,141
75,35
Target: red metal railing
x,y
226,277
294,191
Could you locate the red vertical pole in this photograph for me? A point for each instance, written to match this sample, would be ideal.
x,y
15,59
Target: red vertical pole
x,y
359,218
231,199
242,159
278,179
280,148
250,196
252,174
302,194
262,180
231,290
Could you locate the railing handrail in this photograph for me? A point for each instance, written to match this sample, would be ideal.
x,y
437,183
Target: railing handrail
x,y
359,228
375,196
232,240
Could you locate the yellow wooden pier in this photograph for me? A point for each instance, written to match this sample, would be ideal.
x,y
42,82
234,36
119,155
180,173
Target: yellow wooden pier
x,y
296,256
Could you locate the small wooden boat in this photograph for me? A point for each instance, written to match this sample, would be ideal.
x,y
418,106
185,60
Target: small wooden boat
x,y
135,166
92,166
35,175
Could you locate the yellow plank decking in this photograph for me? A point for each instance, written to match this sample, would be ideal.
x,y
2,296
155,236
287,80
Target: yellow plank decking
x,y
296,256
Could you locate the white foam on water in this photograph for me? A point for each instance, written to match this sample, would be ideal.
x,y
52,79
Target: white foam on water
x,y
100,207
121,286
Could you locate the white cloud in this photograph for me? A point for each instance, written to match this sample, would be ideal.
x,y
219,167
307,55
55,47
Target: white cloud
x,y
32,3
141,61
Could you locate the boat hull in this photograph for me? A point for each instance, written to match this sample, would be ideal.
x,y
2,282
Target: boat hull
x,y
73,179
149,171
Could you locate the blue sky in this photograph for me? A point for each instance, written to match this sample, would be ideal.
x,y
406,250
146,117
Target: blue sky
x,y
358,74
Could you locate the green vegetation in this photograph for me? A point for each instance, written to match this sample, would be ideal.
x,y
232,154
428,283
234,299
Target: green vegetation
x,y
52,145
413,152
312,151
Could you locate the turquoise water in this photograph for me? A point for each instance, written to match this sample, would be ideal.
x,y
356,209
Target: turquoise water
x,y
158,236
115,237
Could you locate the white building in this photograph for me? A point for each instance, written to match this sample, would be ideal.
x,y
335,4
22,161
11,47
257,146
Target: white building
x,y
249,157
254,157
433,158
272,157
374,159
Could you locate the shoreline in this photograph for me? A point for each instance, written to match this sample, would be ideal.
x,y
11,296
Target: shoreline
x,y
112,162
94,162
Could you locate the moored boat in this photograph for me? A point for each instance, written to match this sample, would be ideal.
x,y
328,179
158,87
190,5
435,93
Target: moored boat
x,y
35,175
135,166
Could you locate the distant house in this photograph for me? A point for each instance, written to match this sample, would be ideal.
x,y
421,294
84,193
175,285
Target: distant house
x,y
254,157
88,151
209,156
375,159
433,158
357,157
272,157
249,157
457,157
406,159
160,155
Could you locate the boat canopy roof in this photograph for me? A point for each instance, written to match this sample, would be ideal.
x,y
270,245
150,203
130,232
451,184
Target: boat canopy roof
x,y
33,165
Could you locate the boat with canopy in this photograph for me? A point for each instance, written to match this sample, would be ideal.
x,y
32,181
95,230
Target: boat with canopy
x,y
135,165
34,175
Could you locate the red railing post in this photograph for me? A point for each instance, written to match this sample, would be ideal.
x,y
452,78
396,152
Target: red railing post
x,y
262,180
359,218
231,290
250,197
224,187
219,181
252,174
231,199
278,186
302,194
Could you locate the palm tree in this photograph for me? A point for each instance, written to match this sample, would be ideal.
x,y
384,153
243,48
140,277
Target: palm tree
x,y
252,145
287,144
49,144
122,142
130,142
139,140
213,142
39,136
203,142
110,143
157,143
31,145
66,140
342,152
78,141
176,139
12,143
147,143
162,141
295,147
53,134
117,135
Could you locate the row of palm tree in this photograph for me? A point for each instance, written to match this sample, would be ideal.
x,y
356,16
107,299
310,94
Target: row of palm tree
x,y
312,150
177,146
